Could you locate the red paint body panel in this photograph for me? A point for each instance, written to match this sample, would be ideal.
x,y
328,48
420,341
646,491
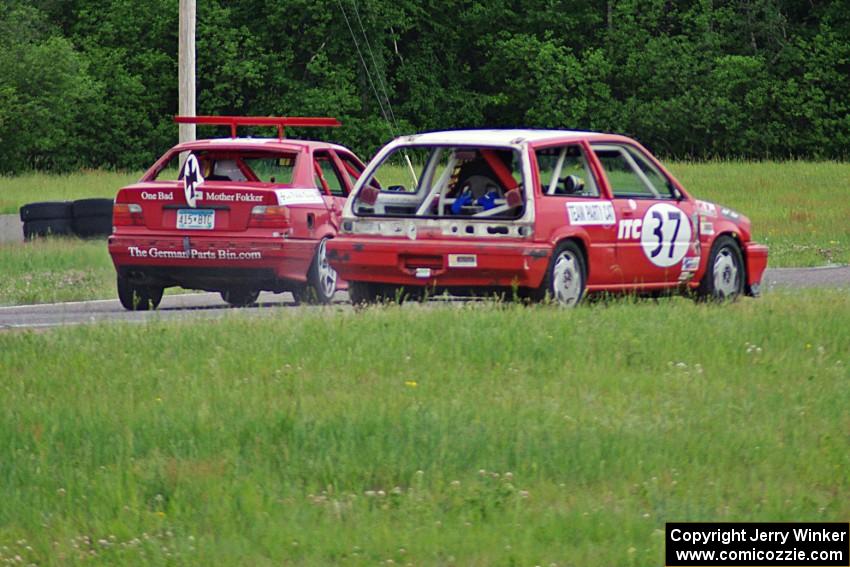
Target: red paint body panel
x,y
395,261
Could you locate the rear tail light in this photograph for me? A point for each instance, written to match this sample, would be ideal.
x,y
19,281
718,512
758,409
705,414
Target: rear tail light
x,y
269,216
127,214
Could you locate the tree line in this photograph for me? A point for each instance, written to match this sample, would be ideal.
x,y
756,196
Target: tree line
x,y
93,83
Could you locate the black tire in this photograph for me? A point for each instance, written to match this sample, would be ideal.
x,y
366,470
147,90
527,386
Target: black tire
x,y
321,279
564,293
362,293
51,227
138,298
92,208
240,297
46,210
725,273
368,293
92,227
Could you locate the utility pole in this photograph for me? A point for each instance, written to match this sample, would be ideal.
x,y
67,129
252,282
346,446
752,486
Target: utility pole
x,y
186,68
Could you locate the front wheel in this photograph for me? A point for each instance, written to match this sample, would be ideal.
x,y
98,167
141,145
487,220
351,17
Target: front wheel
x,y
565,278
138,298
321,279
724,274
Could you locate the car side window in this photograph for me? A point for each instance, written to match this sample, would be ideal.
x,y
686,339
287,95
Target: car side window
x,y
330,174
564,171
631,174
352,168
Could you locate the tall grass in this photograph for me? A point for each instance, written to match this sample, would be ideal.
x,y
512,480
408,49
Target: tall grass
x,y
453,435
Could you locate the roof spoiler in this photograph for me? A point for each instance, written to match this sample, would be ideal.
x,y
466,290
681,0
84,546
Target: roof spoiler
x,y
280,121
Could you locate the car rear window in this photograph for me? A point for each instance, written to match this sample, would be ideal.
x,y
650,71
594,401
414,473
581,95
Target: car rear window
x,y
445,181
243,167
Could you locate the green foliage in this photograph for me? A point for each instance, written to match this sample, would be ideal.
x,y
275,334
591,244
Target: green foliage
x,y
93,82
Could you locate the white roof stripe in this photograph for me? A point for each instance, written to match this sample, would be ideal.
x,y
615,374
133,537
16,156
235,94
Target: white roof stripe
x,y
501,136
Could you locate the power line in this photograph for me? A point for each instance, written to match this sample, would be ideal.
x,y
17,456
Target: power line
x,y
375,63
366,68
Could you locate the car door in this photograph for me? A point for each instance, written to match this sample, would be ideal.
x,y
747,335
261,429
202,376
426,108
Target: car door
x,y
654,228
334,182
570,195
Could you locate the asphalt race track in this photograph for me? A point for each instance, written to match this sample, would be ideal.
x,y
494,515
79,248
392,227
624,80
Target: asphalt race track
x,y
210,305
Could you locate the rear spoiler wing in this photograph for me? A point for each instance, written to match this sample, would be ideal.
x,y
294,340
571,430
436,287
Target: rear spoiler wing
x,y
279,121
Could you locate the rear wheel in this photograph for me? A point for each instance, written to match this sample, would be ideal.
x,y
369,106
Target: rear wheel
x,y
565,278
321,279
138,298
725,274
240,297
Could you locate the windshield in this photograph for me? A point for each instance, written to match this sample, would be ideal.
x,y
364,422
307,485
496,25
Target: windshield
x,y
445,181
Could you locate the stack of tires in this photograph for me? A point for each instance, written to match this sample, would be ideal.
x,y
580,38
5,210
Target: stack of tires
x,y
86,218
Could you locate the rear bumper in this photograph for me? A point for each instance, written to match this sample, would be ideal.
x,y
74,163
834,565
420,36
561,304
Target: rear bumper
x,y
193,260
439,262
755,255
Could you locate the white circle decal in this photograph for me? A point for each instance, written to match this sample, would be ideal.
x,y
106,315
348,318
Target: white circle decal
x,y
666,235
192,179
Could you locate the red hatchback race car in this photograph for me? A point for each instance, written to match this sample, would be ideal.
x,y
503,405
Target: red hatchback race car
x,y
539,213
234,215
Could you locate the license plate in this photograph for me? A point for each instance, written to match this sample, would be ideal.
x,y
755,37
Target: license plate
x,y
196,219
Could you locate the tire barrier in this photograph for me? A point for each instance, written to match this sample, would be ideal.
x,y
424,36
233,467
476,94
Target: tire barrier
x,y
86,218
92,217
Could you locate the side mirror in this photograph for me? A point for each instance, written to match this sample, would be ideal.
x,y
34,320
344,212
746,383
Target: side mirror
x,y
675,191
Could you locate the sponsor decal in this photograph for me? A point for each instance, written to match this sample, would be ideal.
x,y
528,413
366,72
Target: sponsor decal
x,y
192,254
706,227
423,272
729,213
629,229
591,213
706,209
463,261
158,196
664,233
233,197
192,180
298,197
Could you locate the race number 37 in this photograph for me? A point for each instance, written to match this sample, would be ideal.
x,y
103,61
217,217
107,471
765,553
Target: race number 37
x,y
666,235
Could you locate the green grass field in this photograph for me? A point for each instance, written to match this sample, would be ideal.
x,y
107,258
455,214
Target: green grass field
x,y
472,434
